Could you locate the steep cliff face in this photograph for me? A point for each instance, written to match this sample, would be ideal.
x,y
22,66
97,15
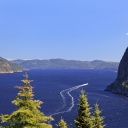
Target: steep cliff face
x,y
122,75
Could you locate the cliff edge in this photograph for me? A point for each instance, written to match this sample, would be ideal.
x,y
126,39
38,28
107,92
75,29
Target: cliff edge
x,y
116,86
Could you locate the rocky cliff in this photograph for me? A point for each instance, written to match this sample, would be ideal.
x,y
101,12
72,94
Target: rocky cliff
x,y
8,67
122,76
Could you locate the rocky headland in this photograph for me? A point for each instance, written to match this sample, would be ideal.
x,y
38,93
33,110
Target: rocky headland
x,y
116,86
8,67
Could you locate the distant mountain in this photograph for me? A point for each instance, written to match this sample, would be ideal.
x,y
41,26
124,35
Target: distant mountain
x,y
66,64
18,61
8,67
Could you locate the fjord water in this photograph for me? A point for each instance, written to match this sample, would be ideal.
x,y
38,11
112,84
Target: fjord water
x,y
59,89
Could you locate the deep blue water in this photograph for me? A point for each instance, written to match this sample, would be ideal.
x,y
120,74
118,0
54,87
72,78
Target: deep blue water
x,y
48,84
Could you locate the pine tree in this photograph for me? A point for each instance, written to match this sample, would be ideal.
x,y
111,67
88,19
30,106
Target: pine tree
x,y
62,124
97,119
83,119
27,114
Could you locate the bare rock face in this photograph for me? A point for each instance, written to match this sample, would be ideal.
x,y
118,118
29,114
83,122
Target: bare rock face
x,y
116,86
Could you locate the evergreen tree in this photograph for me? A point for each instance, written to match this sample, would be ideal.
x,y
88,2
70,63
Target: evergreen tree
x,y
62,124
97,119
83,119
27,114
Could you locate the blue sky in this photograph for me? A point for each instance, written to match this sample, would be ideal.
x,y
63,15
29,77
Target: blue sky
x,y
67,29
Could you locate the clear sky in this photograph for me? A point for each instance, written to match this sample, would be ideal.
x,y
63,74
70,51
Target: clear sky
x,y
67,29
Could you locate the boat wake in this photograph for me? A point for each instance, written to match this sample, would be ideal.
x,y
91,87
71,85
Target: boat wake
x,y
66,97
66,94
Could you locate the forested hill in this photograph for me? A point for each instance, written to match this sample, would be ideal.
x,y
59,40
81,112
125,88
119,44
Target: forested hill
x,y
8,67
67,64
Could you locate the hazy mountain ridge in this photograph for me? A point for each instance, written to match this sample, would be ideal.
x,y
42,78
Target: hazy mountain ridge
x,y
66,64
8,67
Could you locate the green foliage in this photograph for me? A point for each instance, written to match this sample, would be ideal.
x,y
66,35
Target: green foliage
x,y
83,119
62,124
27,114
125,84
97,119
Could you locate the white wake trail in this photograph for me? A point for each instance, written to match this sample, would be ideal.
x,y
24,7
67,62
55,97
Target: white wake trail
x,y
67,91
